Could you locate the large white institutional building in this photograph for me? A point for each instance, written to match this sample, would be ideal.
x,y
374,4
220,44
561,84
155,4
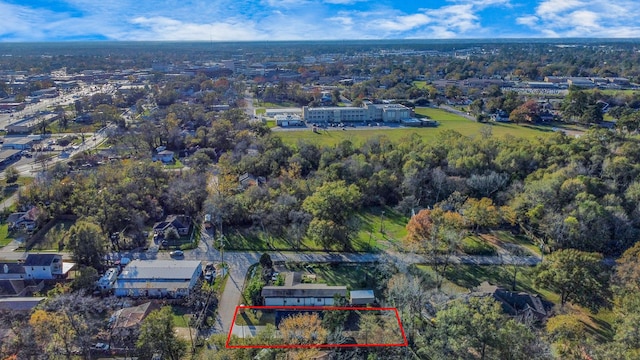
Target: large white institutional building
x,y
369,112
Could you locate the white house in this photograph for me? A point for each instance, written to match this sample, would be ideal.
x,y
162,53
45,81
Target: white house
x,y
302,295
158,278
46,266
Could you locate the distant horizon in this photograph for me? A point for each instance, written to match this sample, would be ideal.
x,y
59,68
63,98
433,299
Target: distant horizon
x,y
539,40
37,21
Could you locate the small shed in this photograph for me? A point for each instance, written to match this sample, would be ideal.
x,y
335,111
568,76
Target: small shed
x,y
362,297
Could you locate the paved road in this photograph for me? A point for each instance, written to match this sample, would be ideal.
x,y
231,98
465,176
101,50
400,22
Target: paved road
x,y
457,112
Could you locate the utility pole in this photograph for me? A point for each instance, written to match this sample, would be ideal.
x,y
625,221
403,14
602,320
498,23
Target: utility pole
x,y
381,221
221,238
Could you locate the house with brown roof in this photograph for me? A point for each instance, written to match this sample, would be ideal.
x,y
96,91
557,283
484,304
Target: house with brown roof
x,y
125,323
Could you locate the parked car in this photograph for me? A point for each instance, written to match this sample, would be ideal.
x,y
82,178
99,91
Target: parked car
x,y
176,253
100,346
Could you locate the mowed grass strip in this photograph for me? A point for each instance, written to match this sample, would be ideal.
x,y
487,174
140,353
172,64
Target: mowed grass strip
x,y
446,120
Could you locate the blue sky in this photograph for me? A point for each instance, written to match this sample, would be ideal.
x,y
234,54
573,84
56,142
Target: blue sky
x,y
231,20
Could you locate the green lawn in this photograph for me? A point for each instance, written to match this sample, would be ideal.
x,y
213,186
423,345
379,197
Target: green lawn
x,y
353,276
51,243
475,245
73,127
369,238
270,105
613,92
256,240
520,240
5,239
255,317
446,120
180,316
392,223
420,84
176,165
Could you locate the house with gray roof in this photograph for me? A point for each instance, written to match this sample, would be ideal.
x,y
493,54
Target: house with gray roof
x,y
521,305
179,223
46,266
158,278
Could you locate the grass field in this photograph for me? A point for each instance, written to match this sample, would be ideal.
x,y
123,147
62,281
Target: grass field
x,y
353,276
50,242
369,238
447,121
5,239
181,316
372,221
420,84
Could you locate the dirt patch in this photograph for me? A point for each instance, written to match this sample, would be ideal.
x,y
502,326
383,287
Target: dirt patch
x,y
183,333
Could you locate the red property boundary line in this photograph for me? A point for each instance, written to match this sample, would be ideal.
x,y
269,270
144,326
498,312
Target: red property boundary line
x,y
317,308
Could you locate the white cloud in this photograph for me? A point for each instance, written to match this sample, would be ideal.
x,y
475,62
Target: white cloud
x,y
584,18
343,2
162,28
553,7
342,20
403,23
450,21
531,20
286,3
483,3
315,19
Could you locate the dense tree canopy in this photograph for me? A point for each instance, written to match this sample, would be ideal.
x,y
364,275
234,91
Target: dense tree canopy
x,y
578,276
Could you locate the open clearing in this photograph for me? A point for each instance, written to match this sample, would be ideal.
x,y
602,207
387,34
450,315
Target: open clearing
x,y
446,120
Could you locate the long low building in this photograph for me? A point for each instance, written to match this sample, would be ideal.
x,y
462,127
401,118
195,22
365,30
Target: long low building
x,y
369,112
9,156
302,295
17,142
158,278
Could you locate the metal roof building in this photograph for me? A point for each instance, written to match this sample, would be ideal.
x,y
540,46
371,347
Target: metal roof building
x,y
158,278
